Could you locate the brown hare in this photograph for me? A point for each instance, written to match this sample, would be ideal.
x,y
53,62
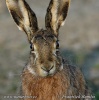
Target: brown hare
x,y
47,76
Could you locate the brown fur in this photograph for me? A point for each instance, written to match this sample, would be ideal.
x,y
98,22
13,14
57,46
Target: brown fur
x,y
68,82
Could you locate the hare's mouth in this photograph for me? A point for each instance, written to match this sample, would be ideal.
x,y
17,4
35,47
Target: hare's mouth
x,y
44,72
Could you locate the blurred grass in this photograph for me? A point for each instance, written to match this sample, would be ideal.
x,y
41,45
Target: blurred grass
x,y
96,66
97,95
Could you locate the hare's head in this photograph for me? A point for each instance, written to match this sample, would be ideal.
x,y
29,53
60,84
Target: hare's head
x,y
45,59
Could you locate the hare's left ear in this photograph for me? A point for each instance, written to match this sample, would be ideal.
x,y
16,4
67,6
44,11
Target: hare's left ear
x,y
56,14
23,16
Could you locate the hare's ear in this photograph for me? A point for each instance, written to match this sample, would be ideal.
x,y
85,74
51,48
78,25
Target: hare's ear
x,y
23,16
56,14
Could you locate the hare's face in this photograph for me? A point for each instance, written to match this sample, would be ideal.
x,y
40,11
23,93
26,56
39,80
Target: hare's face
x,y
44,43
45,50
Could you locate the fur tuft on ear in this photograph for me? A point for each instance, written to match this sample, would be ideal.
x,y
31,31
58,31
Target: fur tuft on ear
x,y
56,14
23,16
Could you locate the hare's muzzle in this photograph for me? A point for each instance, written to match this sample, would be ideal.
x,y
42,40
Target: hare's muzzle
x,y
47,71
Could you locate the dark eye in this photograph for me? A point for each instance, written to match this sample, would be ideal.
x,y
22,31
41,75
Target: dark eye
x,y
57,45
31,46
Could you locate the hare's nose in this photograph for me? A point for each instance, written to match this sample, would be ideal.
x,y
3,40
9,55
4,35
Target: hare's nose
x,y
47,69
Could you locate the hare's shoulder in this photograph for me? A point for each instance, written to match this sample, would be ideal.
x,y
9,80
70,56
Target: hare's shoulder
x,y
75,74
72,69
76,79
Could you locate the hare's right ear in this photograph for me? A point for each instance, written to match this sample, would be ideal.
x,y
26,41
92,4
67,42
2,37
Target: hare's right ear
x,y
56,14
23,16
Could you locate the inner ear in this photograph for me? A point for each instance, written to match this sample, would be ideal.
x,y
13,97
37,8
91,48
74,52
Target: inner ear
x,y
56,15
24,16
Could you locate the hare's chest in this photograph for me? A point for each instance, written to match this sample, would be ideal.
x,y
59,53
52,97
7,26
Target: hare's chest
x,y
52,88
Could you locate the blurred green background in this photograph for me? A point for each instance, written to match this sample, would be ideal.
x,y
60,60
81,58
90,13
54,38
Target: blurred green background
x,y
79,43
